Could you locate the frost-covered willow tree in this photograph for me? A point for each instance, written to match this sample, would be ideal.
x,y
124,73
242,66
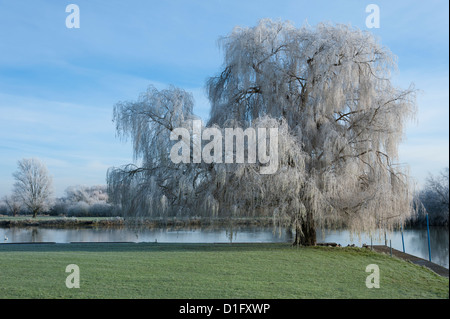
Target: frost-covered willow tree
x,y
145,189
340,120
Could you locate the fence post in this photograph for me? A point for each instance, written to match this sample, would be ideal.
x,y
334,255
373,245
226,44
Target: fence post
x,y
428,232
403,241
390,246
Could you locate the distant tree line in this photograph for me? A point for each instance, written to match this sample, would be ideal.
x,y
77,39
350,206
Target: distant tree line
x,y
33,194
78,201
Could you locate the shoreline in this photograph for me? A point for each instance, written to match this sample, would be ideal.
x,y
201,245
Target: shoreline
x,y
77,222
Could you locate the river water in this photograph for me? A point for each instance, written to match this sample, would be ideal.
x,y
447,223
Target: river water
x,y
415,241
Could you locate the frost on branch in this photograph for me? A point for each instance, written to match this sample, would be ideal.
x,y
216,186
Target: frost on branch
x,y
340,120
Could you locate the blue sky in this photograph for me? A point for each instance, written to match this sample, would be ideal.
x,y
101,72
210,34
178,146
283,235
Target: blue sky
x,y
58,85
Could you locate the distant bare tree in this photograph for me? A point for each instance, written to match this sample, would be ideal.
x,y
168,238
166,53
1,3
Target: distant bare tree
x,y
440,185
33,186
435,197
13,204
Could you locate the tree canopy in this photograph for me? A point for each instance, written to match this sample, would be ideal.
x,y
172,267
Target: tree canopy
x,y
326,89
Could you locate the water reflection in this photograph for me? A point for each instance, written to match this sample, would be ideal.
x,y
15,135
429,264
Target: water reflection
x,y
194,235
415,240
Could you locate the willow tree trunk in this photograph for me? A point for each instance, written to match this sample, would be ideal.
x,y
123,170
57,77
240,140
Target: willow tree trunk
x,y
305,232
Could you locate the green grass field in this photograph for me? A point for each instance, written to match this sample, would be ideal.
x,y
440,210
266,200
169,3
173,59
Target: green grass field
x,y
149,270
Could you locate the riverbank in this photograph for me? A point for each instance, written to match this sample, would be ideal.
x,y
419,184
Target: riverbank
x,y
210,271
77,222
438,269
59,222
